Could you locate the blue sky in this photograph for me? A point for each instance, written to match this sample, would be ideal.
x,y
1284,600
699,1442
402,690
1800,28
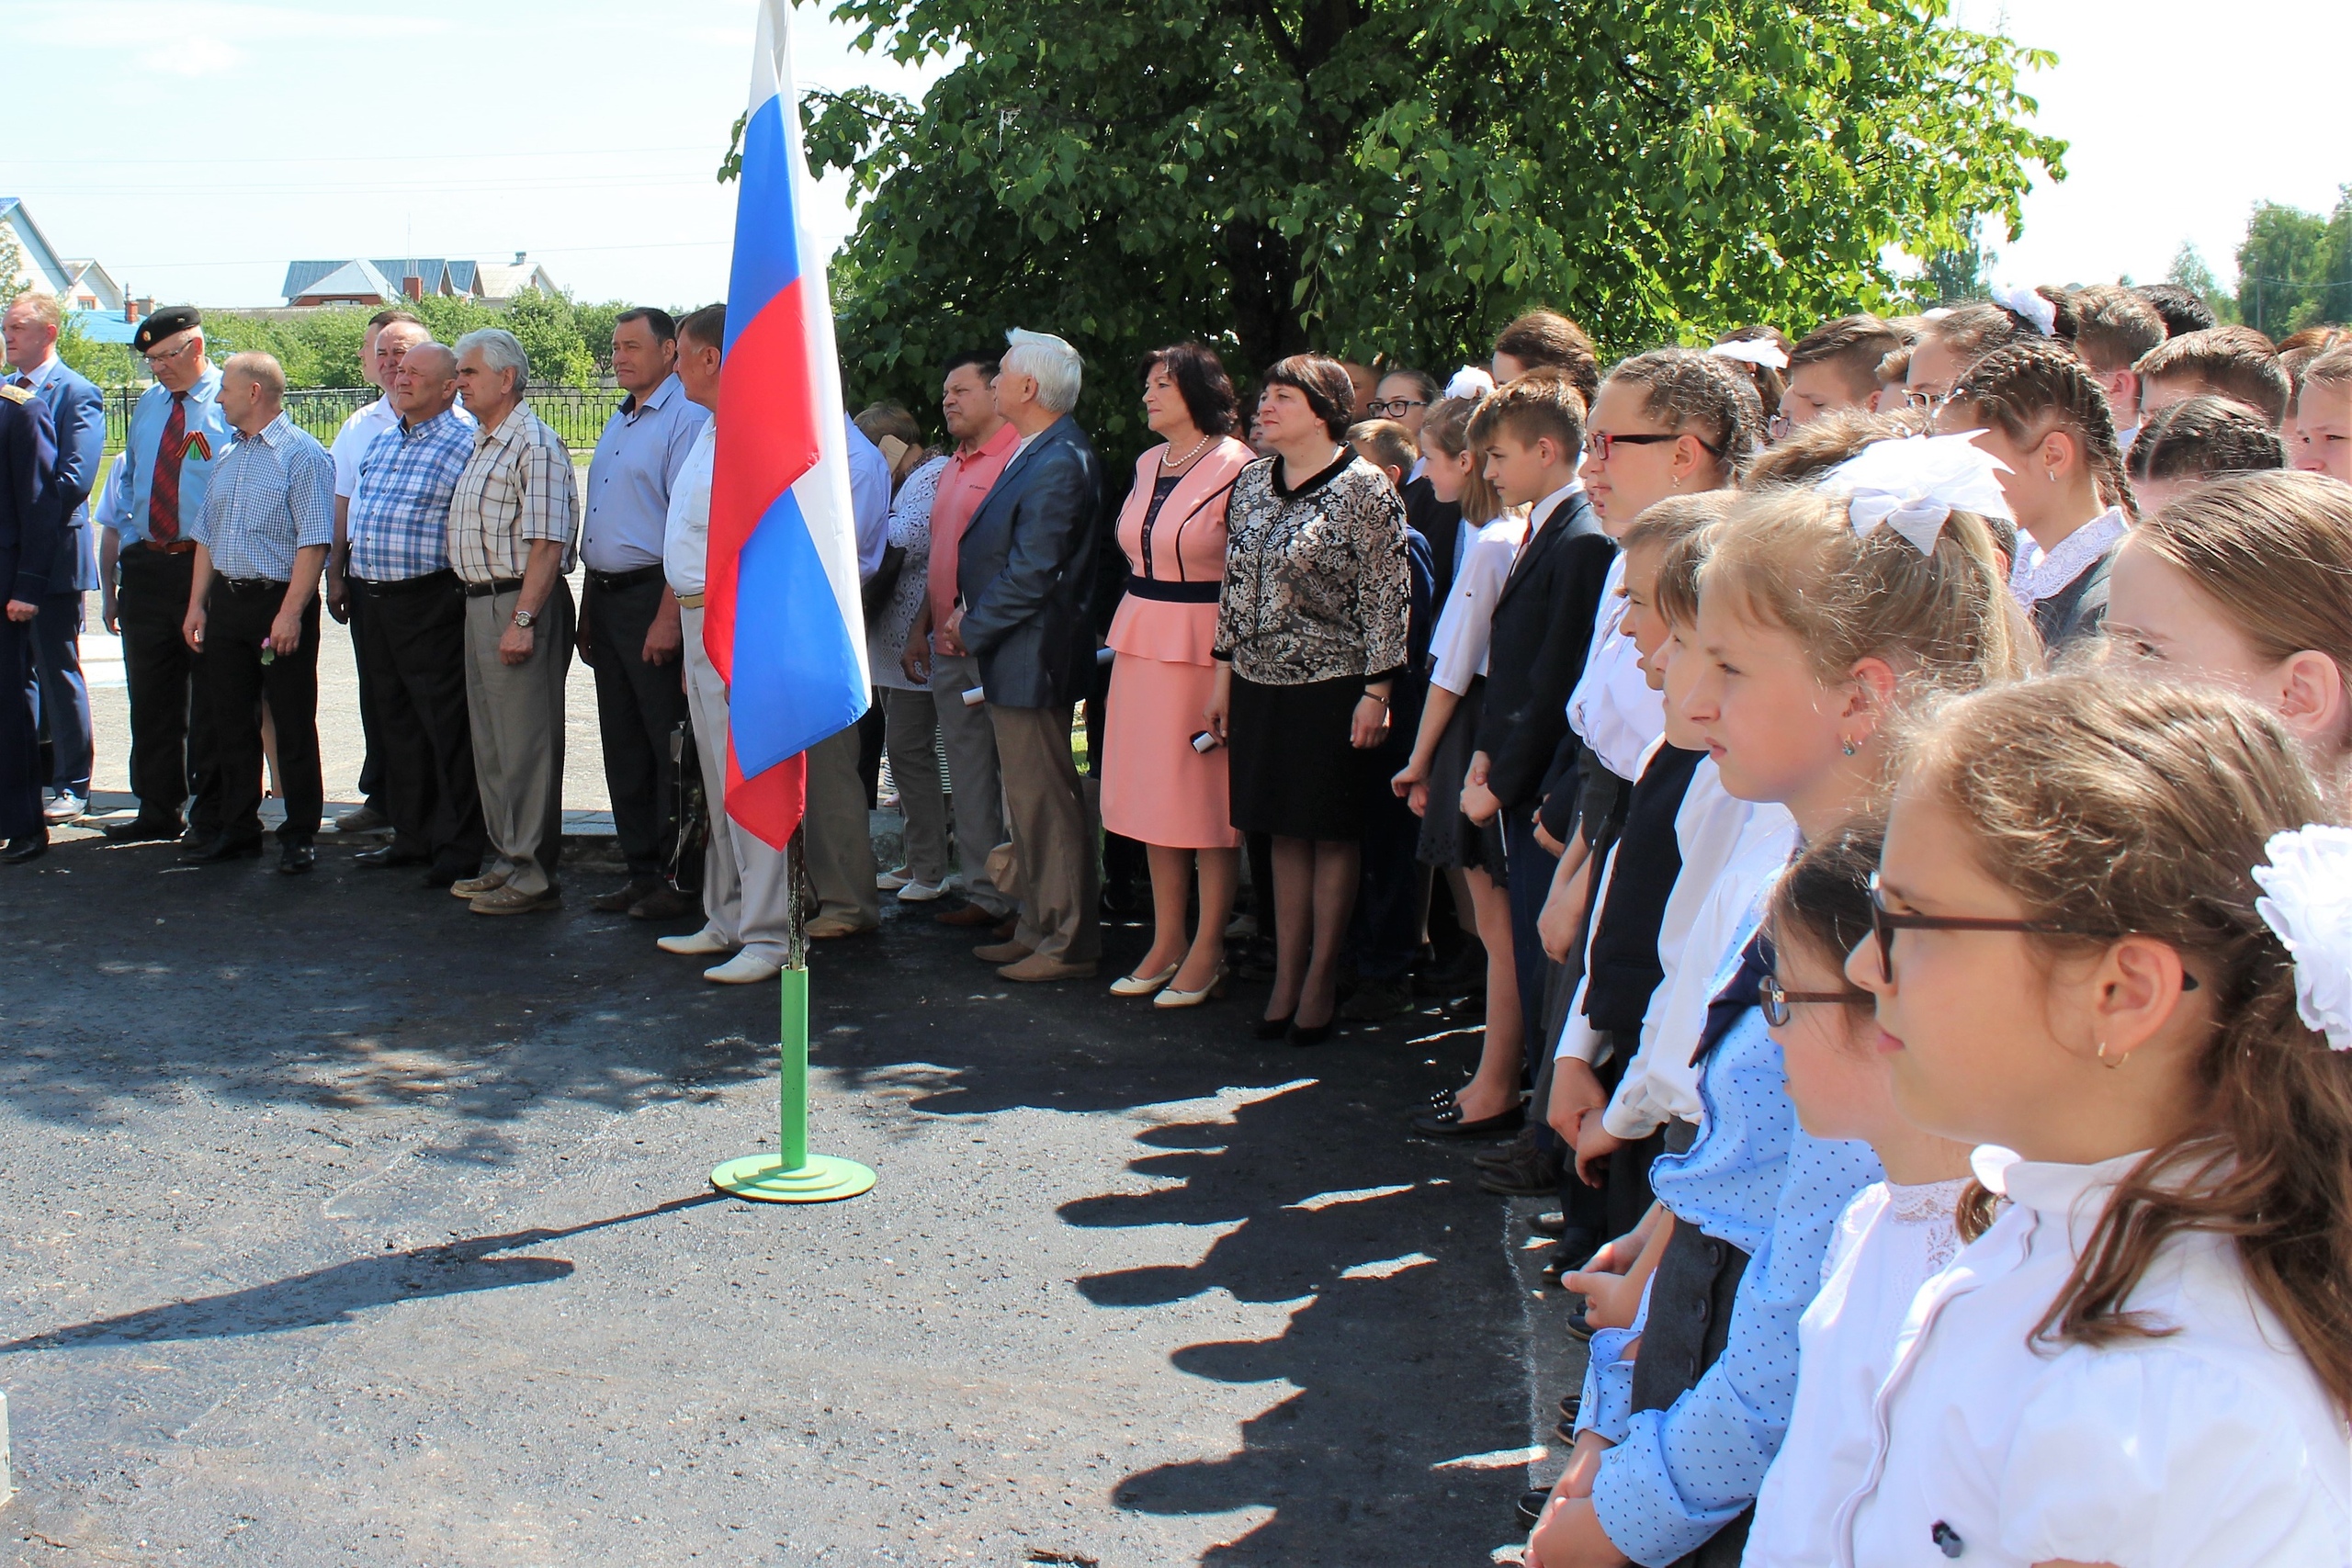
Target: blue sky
x,y
196,146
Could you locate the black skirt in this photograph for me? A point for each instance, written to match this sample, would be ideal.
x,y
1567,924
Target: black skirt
x,y
1449,840
1292,772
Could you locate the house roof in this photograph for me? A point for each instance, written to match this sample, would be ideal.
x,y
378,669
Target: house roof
x,y
352,280
104,326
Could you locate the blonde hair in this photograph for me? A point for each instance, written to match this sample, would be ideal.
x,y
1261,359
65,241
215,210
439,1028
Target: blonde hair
x,y
44,306
1386,442
1814,447
2119,807
1663,522
1675,595
1944,621
1445,425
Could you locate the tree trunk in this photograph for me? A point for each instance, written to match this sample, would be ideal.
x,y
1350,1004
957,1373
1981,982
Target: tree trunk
x,y
1264,267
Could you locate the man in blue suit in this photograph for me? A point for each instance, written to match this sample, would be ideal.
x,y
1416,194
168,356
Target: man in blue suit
x,y
29,525
1024,573
78,415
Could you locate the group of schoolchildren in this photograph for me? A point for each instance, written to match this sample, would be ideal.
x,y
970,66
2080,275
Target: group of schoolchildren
x,y
1895,777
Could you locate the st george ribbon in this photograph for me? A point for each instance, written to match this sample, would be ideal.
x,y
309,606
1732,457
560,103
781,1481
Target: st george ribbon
x,y
781,617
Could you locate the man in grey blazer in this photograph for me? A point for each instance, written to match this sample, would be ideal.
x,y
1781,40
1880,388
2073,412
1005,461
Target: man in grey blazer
x,y
1025,569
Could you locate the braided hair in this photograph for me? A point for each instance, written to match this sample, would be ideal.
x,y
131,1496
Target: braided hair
x,y
1699,395
2026,387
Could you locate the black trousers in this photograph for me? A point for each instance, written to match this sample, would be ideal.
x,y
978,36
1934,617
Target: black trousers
x,y
371,761
236,630
637,705
20,769
171,730
1384,933
414,642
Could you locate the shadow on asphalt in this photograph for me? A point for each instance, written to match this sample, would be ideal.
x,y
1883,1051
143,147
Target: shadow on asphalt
x,y
334,1293
123,978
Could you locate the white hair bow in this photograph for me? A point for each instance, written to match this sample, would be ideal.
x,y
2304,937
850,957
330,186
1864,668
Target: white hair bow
x,y
1913,485
2019,300
1754,351
1469,382
2307,902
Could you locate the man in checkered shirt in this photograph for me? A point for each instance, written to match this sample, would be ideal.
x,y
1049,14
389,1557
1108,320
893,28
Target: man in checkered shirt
x,y
253,610
514,524
413,631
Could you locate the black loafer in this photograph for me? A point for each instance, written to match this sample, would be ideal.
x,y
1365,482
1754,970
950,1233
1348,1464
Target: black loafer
x,y
32,846
1531,1508
220,850
1448,1123
387,857
144,831
294,859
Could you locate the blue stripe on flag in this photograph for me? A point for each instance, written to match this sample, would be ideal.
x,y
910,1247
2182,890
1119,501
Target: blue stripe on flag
x,y
796,671
767,241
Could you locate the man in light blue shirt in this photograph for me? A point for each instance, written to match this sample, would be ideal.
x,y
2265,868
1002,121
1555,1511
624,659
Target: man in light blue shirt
x,y
629,618
146,567
253,610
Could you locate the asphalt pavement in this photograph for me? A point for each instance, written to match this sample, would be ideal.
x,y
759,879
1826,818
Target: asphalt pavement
x,y
340,1225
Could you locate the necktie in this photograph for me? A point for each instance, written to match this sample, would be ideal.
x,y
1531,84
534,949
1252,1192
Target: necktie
x,y
24,383
164,492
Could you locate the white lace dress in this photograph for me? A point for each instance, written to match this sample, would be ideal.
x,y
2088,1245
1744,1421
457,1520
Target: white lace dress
x,y
1891,1240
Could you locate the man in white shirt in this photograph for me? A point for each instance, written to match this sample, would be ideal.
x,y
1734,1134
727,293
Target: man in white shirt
x,y
391,333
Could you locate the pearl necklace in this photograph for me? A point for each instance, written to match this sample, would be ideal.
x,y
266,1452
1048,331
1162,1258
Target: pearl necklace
x,y
1170,467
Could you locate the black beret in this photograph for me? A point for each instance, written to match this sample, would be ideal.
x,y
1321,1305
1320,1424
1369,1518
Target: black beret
x,y
164,323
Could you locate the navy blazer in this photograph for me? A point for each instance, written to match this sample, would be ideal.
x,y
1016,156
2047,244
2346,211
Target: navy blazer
x,y
77,412
30,516
1536,647
1024,570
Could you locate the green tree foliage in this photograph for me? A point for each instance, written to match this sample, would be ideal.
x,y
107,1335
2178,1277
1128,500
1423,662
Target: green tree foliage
x,y
12,264
1950,276
2295,267
2189,271
1398,176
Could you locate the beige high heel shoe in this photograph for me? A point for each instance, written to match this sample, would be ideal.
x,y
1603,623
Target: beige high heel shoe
x,y
1172,997
1144,985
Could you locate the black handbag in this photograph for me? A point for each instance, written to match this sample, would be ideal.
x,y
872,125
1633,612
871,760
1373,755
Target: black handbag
x,y
688,839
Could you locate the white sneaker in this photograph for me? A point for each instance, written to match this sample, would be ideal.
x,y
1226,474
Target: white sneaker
x,y
63,807
744,969
922,892
890,881
701,944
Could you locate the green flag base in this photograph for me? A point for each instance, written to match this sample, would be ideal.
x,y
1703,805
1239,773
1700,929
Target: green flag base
x,y
765,1179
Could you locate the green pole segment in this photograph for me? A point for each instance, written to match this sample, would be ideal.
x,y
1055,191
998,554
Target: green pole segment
x,y
792,1145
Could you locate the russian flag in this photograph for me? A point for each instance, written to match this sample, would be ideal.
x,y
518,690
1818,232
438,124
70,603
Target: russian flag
x,y
781,615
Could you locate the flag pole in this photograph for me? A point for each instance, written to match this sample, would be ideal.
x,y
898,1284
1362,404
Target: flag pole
x,y
793,1175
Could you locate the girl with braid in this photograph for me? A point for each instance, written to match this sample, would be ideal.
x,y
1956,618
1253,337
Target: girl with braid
x,y
2040,410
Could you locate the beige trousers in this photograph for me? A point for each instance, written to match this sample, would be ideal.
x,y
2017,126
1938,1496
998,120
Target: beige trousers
x,y
837,833
1053,828
746,892
516,714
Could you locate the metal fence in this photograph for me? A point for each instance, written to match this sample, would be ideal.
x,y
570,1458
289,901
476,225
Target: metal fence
x,y
576,413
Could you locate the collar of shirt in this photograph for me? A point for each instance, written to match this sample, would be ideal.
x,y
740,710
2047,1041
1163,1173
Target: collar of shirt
x,y
39,374
207,388
2067,560
507,431
452,415
270,434
657,398
1541,512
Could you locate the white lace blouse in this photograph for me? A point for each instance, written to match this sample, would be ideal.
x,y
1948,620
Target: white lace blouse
x,y
1891,1240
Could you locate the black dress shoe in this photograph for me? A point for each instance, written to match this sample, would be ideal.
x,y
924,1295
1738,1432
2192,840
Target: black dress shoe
x,y
1271,1028
1571,1406
618,901
1531,1508
1310,1033
220,850
387,857
32,846
665,903
1377,1001
1448,1123
144,829
1510,1154
1532,1173
441,874
296,857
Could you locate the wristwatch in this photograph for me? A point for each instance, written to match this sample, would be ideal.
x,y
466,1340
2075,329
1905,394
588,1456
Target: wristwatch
x,y
524,618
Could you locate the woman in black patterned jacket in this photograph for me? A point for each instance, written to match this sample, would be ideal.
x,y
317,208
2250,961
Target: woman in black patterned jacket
x,y
1310,638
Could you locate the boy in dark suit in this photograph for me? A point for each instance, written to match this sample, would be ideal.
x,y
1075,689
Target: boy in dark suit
x,y
28,524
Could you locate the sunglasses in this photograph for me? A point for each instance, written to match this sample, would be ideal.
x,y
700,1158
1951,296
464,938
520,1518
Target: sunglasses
x,y
1885,922
1775,999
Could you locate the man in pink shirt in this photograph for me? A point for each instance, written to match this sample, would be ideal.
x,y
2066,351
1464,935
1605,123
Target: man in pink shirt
x,y
984,445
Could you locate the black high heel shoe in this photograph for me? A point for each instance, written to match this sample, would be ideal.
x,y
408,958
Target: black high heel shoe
x,y
1273,1027
1310,1035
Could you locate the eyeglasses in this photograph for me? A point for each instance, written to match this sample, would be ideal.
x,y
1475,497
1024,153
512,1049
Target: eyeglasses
x,y
1394,408
158,360
1921,402
1601,443
1775,998
1885,922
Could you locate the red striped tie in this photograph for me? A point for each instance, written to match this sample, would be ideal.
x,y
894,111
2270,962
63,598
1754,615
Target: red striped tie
x,y
164,492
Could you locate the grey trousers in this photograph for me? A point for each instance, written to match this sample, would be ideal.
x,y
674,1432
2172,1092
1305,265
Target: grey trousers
x,y
1052,820
517,712
911,736
746,885
969,740
837,834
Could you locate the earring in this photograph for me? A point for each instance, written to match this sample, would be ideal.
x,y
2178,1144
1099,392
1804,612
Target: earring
x,y
1848,747
2052,475
2115,1064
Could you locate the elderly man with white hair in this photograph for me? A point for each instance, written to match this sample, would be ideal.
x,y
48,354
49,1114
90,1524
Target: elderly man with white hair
x,y
514,526
1024,571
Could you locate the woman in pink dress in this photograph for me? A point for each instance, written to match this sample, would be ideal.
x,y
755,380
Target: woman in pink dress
x,y
1158,788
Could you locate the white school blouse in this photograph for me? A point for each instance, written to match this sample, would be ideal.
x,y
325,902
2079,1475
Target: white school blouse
x,y
1891,1240
1612,708
1458,646
2213,1447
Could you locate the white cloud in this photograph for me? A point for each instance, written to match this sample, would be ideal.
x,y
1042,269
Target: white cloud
x,y
189,57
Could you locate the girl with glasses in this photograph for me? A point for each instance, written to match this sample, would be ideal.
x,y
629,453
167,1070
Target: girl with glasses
x,y
2115,953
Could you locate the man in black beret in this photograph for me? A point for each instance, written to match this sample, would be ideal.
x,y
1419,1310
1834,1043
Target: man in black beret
x,y
146,567
29,523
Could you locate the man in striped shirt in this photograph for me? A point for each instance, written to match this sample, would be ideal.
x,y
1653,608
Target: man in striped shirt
x,y
253,612
513,525
413,627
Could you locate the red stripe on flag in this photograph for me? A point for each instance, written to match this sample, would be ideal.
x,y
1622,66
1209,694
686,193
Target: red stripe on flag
x,y
768,806
767,439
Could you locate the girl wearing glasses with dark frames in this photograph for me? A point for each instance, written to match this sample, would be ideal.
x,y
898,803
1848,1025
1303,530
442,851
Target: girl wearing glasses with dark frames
x,y
2170,1289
